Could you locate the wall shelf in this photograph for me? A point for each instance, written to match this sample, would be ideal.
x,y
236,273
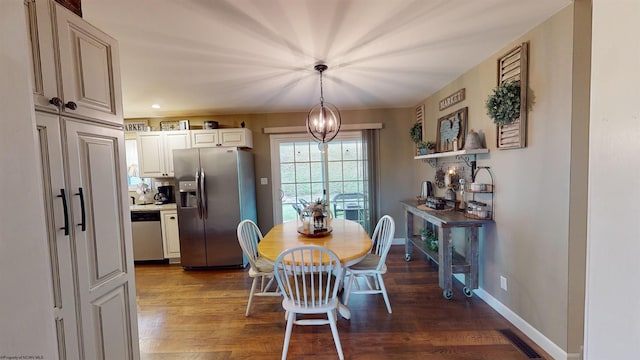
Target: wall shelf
x,y
464,155
451,154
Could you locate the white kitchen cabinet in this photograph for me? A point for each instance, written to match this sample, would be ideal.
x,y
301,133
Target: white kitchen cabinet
x,y
236,137
170,233
155,151
89,238
78,112
79,78
204,138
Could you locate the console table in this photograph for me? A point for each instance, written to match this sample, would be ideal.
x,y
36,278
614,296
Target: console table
x,y
448,263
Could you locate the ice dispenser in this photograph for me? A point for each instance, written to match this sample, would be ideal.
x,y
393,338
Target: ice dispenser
x,y
188,197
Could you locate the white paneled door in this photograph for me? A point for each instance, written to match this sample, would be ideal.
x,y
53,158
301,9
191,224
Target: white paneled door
x,y
105,276
89,238
59,232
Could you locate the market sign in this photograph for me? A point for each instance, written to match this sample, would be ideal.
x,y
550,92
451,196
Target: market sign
x,y
452,99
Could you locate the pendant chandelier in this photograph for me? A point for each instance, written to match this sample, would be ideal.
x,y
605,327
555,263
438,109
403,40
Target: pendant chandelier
x,y
323,120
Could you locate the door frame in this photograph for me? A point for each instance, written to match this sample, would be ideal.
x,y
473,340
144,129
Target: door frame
x,y
275,141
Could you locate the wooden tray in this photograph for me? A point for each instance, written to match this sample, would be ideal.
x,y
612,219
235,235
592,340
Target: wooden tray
x,y
314,234
426,208
471,216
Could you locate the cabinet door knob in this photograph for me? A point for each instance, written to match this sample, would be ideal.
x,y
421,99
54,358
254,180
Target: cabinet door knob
x,y
56,101
172,217
71,105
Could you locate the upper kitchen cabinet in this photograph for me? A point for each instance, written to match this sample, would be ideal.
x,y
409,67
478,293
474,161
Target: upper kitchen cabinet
x,y
204,138
237,137
81,76
155,151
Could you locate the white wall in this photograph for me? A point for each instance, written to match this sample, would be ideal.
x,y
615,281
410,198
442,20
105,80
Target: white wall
x,y
529,243
25,314
612,324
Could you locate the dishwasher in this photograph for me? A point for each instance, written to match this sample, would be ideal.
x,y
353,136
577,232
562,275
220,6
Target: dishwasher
x,y
147,235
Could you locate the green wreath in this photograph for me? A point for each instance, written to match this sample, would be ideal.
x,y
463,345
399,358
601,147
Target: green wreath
x,y
503,106
416,133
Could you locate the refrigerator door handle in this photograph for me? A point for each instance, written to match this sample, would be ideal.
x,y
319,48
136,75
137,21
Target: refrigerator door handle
x,y
203,194
198,195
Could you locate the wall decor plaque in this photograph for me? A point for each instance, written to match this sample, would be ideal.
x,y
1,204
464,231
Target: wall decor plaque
x,y
169,125
135,126
452,99
452,129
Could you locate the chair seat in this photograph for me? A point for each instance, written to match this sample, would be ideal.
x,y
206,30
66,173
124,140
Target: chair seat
x,y
263,265
369,263
289,305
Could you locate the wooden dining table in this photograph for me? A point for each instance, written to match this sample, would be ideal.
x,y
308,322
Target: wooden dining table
x,y
347,239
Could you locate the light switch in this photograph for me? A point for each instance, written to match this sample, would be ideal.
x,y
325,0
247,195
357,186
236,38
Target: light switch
x,y
264,181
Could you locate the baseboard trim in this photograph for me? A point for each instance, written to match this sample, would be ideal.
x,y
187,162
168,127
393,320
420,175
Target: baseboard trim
x,y
536,336
547,345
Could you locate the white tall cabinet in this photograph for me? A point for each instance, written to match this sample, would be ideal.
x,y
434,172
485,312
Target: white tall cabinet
x,y
76,89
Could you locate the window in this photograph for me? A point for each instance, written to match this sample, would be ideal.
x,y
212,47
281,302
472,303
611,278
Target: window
x,y
302,173
132,165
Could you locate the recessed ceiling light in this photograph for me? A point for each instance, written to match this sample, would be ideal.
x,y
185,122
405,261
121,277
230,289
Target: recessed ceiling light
x,y
156,106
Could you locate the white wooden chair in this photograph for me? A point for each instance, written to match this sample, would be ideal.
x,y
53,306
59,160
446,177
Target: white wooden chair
x,y
309,278
249,236
373,266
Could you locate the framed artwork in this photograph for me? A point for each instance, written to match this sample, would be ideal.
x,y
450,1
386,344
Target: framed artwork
x,y
451,131
135,126
169,125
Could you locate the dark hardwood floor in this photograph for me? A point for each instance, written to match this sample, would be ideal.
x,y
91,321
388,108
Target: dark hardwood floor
x,y
200,315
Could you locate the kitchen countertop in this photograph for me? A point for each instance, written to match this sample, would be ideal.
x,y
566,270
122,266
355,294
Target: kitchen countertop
x,y
443,218
151,207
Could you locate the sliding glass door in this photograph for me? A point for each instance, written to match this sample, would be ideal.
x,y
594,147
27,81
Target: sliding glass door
x,y
303,172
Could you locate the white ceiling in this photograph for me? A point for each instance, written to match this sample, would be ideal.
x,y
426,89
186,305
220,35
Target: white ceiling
x,y
197,57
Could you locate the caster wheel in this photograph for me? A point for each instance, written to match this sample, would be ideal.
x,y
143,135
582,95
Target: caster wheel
x,y
407,257
467,292
448,294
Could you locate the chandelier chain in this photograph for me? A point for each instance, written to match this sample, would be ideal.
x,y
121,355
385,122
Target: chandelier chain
x,y
321,92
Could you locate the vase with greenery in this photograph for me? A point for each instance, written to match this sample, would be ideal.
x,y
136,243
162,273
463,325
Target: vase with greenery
x,y
426,147
320,213
431,147
503,105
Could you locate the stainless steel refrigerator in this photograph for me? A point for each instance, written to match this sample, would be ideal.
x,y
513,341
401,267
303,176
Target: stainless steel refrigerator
x,y
216,190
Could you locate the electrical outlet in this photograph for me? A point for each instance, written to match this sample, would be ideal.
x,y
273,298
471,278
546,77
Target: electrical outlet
x,y
503,283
